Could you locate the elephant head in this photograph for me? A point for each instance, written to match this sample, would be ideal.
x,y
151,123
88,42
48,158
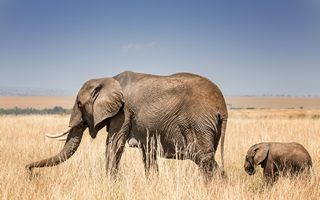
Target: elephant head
x,y
255,156
97,100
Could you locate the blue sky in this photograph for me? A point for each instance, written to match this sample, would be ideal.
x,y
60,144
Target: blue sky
x,y
247,47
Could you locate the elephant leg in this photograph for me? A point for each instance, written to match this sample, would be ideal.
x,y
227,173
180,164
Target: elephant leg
x,y
114,150
207,165
149,157
270,174
115,143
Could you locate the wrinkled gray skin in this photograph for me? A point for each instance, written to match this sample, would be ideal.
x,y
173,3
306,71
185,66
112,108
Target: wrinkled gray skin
x,y
277,159
185,113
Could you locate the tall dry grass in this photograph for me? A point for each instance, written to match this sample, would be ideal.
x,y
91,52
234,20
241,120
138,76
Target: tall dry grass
x,y
83,175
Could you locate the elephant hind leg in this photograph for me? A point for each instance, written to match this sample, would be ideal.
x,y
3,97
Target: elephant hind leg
x,y
207,165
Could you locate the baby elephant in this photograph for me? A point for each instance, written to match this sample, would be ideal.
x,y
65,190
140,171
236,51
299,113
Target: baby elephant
x,y
277,158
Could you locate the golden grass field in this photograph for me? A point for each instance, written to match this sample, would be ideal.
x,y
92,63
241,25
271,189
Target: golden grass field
x,y
83,176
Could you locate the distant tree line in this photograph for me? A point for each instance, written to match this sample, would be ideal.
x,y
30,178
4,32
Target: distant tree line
x,y
33,111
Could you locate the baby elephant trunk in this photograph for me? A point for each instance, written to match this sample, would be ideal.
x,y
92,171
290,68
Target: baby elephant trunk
x,y
71,145
133,142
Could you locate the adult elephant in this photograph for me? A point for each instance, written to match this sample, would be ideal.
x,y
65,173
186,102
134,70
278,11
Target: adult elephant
x,y
184,113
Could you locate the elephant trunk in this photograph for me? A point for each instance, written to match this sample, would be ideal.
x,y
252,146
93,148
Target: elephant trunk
x,y
70,147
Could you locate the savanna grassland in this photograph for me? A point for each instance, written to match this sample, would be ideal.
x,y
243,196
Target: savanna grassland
x,y
83,176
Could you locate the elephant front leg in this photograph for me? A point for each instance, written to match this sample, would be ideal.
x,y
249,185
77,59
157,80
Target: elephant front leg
x,y
114,150
269,173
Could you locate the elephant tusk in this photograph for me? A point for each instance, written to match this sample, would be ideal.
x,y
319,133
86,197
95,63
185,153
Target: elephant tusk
x,y
64,138
58,135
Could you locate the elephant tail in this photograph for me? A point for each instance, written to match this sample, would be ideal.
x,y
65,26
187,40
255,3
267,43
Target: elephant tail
x,y
223,131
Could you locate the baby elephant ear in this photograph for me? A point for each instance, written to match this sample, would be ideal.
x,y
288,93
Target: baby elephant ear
x,y
108,99
261,153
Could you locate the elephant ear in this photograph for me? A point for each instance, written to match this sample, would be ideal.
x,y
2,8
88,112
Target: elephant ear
x,y
261,153
108,99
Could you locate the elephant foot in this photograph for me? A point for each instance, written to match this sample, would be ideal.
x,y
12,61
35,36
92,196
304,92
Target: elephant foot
x,y
112,176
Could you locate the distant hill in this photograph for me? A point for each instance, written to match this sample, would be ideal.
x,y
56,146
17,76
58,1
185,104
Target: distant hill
x,y
24,91
272,102
233,102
